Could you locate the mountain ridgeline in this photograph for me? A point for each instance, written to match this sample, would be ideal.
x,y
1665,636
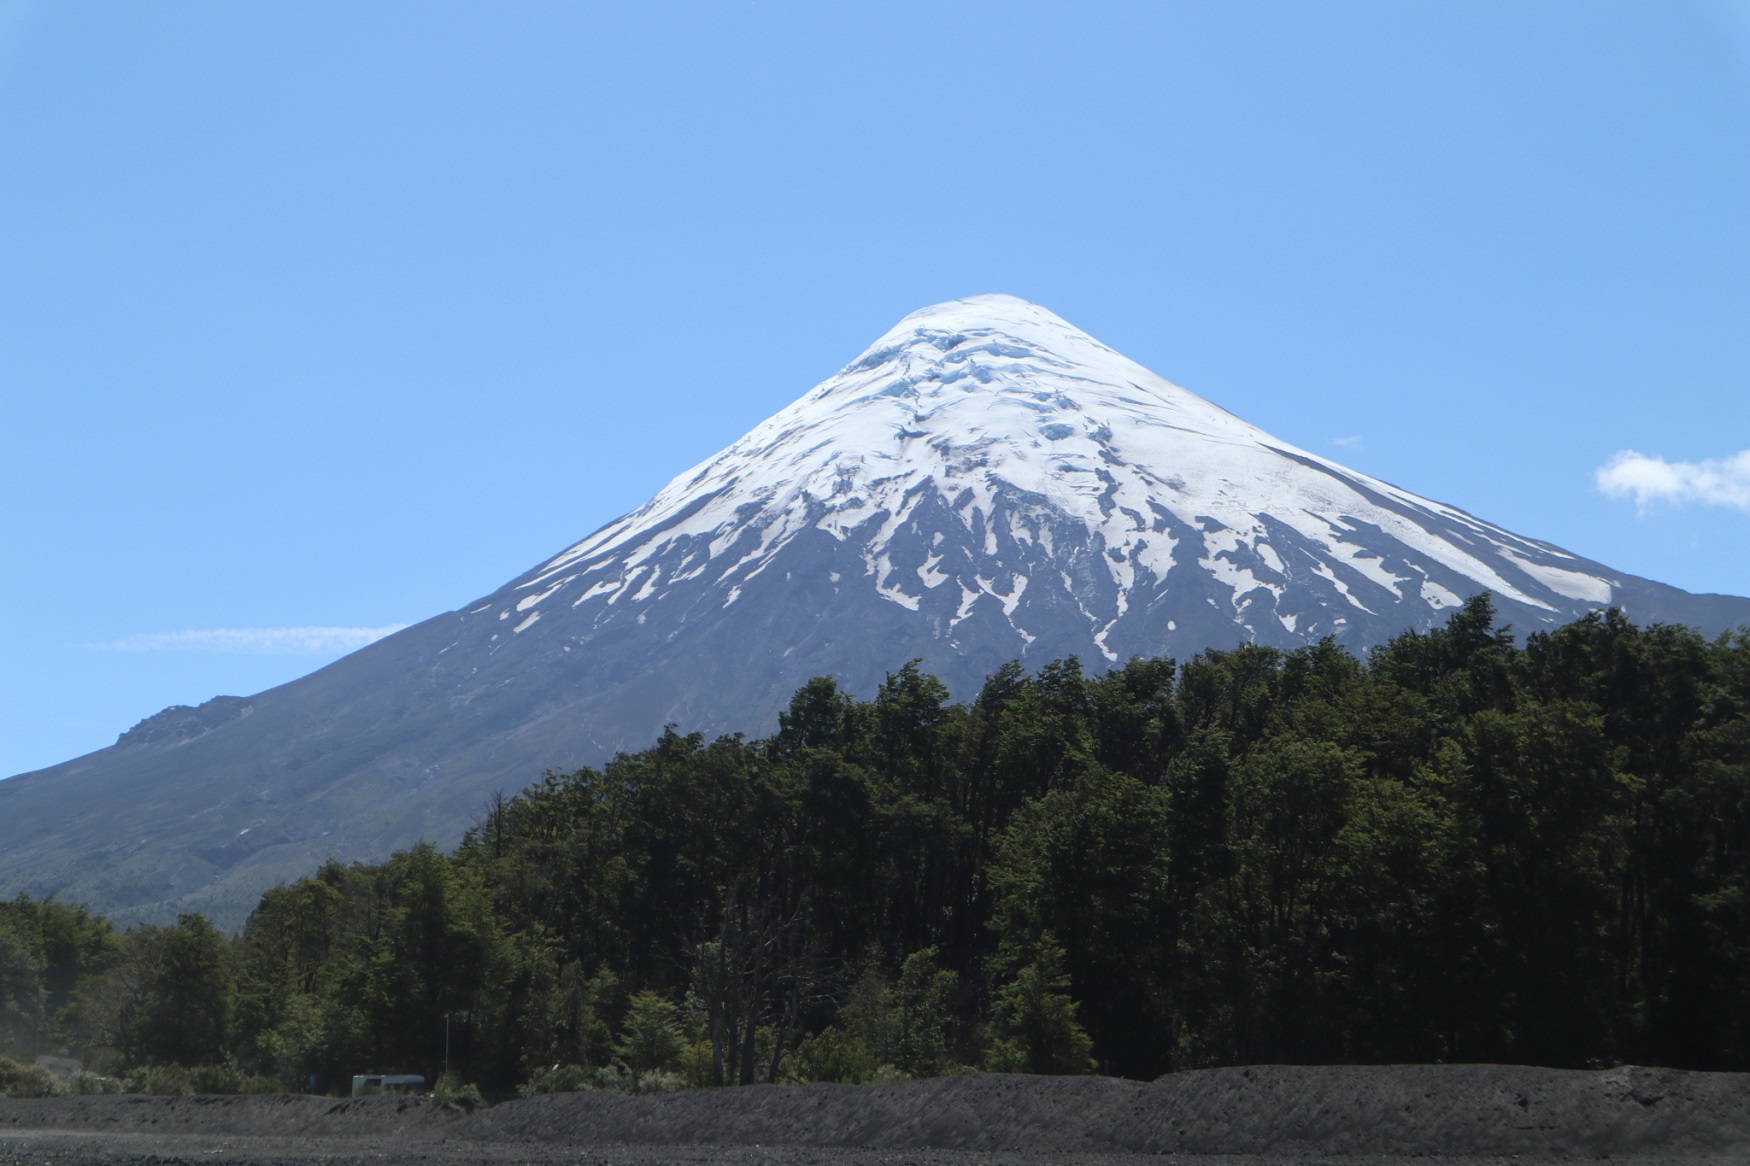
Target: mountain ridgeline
x,y
1464,848
985,483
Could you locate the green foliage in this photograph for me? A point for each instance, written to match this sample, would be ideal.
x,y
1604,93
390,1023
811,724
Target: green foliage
x,y
172,1080
570,1079
903,1025
1036,1030
162,1081
1463,849
1086,864
22,996
83,1083
452,1090
651,1039
183,1011
49,952
20,1080
835,1055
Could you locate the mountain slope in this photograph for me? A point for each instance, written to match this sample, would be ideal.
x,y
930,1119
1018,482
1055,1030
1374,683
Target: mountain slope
x,y
984,483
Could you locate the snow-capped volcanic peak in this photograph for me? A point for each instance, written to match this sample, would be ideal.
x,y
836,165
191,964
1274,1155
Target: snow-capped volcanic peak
x,y
985,451
985,483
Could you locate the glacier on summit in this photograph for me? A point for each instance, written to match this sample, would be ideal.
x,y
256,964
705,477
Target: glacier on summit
x,y
987,462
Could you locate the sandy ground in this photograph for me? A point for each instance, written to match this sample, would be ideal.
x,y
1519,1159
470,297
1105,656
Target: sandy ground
x,y
1261,1116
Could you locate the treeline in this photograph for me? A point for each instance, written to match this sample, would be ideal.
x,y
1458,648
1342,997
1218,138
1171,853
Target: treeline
x,y
1463,849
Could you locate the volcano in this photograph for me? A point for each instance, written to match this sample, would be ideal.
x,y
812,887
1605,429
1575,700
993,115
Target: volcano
x,y
984,483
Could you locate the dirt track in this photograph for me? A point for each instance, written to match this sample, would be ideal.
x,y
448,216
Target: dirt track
x,y
1264,1114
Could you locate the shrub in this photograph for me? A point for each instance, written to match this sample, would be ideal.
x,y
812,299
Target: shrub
x,y
182,1081
161,1081
177,1081
608,1078
17,1080
450,1090
834,1055
569,1079
656,1081
215,1079
88,1084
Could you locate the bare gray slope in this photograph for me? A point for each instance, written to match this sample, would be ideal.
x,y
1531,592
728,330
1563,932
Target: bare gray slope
x,y
985,483
1271,1112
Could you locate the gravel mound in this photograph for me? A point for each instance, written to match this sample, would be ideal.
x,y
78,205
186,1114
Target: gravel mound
x,y
1274,1112
1462,1110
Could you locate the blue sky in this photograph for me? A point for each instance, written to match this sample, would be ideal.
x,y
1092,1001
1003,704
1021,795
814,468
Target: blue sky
x,y
319,318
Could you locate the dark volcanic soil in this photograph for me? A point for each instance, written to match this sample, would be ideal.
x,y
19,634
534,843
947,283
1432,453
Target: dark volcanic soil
x,y
1265,1114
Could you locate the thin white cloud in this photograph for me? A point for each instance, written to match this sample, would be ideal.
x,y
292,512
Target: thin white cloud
x,y
1717,482
310,641
1351,442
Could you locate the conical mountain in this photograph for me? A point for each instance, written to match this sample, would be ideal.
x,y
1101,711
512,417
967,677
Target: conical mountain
x,y
985,483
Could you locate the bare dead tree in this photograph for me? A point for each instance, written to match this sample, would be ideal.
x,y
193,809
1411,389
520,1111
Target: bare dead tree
x,y
762,967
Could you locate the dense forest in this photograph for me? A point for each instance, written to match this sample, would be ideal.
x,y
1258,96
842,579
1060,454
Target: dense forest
x,y
1464,848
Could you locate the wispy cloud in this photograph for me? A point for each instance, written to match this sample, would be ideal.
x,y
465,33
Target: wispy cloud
x,y
1353,441
311,641
1717,482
